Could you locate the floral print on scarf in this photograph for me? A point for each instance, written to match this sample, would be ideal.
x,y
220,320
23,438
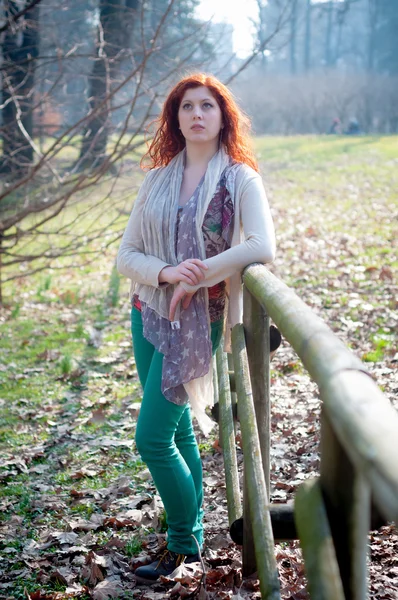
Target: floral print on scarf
x,y
217,235
187,349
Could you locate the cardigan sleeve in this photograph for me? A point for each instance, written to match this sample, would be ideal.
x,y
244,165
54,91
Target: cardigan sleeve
x,y
131,258
259,236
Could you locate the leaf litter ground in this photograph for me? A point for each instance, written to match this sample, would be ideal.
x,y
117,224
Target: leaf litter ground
x,y
79,509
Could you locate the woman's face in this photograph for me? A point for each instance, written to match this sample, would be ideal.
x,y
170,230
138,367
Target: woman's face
x,y
199,116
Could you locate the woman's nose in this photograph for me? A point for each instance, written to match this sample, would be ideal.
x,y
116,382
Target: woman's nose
x,y
197,113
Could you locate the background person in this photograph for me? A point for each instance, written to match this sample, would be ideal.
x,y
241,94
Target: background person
x,y
335,128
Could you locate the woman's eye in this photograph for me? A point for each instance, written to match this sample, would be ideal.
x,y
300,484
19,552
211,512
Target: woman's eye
x,y
207,105
185,106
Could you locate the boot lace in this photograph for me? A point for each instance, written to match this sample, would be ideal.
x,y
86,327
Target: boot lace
x,y
167,557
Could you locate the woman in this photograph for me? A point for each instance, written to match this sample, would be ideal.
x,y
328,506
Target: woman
x,y
183,244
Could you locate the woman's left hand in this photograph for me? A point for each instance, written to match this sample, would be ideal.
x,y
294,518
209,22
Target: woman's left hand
x,y
179,295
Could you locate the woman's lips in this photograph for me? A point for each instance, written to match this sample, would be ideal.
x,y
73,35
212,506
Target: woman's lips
x,y
197,127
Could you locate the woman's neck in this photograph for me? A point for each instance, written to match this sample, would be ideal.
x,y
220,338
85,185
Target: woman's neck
x,y
199,155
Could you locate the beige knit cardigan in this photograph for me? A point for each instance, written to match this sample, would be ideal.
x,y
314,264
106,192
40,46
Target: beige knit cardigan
x,y
253,240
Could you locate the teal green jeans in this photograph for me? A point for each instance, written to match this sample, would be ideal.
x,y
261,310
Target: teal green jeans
x,y
166,442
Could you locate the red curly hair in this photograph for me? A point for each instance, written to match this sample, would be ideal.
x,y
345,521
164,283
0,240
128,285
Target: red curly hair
x,y
168,140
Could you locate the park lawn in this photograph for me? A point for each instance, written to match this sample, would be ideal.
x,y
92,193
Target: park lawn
x,y
68,383
335,208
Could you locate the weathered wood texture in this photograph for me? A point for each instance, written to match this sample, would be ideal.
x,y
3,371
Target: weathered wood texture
x,y
249,562
364,421
256,326
347,502
367,426
320,561
228,438
254,472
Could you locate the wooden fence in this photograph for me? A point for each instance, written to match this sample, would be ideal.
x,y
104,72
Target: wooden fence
x,y
357,489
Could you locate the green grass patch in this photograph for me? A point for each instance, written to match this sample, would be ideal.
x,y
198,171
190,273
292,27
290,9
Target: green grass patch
x,y
133,546
380,347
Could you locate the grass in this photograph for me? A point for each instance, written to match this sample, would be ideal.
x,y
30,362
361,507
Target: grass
x,y
337,192
114,288
323,150
133,546
381,345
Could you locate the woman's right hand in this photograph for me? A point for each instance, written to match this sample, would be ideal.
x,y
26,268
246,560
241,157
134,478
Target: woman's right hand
x,y
189,271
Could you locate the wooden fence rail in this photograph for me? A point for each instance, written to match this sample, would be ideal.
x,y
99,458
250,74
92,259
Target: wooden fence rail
x,y
359,446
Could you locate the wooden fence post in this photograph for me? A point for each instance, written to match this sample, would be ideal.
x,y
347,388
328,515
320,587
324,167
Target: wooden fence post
x,y
256,490
232,384
347,502
228,437
256,325
322,569
359,445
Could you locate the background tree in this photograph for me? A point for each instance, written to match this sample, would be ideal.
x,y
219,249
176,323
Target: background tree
x,y
307,42
334,59
19,43
102,70
384,31
116,24
97,76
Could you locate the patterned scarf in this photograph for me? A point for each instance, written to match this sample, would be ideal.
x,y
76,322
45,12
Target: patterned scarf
x,y
185,344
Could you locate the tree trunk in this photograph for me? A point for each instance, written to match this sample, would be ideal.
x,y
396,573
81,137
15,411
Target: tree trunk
x,y
262,31
372,13
385,37
307,42
20,48
328,36
114,34
293,37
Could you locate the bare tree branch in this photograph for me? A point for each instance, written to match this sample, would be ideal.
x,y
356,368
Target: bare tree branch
x,y
35,227
280,23
18,15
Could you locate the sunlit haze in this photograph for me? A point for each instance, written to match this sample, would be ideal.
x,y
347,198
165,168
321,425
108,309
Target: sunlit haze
x,y
238,14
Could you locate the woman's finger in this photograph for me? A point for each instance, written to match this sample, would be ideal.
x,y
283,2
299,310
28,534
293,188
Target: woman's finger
x,y
191,271
187,301
194,273
173,306
188,277
197,271
179,293
195,263
199,262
